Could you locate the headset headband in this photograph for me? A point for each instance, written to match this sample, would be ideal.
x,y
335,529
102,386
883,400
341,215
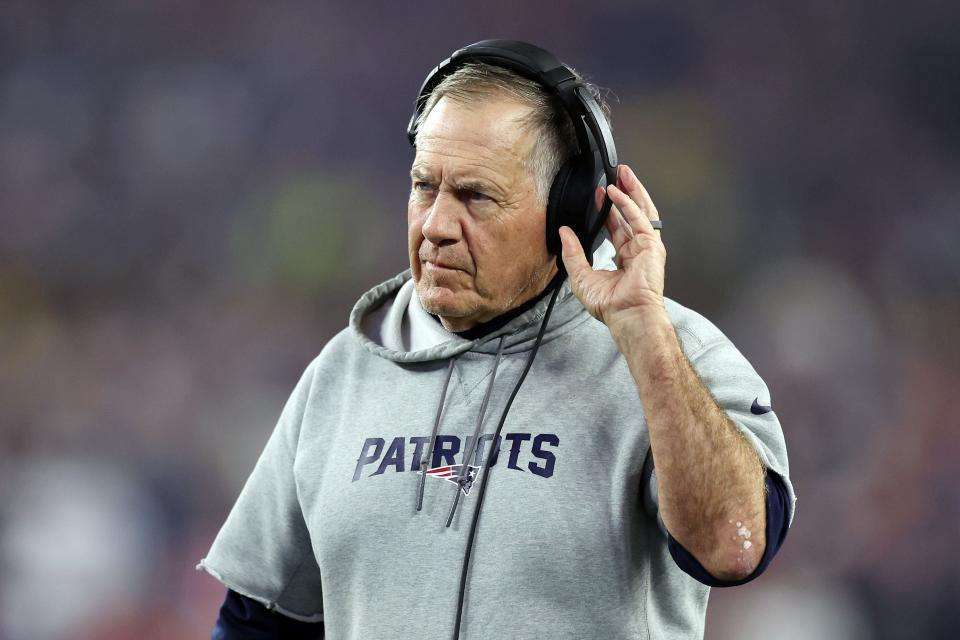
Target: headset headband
x,y
544,68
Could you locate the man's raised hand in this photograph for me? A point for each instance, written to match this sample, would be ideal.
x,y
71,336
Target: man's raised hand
x,y
636,287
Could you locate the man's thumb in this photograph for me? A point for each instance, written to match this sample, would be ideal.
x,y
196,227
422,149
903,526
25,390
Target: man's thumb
x,y
572,253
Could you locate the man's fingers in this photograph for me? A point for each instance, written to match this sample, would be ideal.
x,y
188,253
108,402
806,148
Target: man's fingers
x,y
621,170
638,192
636,217
573,258
632,186
598,195
620,232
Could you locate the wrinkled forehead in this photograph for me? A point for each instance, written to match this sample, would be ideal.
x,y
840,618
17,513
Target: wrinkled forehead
x,y
490,130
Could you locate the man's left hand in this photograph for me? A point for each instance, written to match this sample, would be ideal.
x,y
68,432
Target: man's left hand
x,y
635,289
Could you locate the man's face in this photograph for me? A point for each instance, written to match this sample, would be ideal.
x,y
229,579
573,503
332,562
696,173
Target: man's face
x,y
475,228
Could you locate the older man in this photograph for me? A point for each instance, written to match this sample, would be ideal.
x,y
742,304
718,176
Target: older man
x,y
640,463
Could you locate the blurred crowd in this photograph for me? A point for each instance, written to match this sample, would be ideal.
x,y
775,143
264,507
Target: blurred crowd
x,y
192,196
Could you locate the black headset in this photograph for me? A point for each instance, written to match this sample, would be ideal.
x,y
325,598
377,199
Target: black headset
x,y
571,201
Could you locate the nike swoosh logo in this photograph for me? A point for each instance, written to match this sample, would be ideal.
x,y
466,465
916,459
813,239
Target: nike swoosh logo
x,y
758,409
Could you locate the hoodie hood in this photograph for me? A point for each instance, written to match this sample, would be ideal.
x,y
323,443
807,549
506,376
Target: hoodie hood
x,y
390,323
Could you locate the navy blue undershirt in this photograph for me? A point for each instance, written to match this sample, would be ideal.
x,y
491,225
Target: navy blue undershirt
x,y
778,501
242,618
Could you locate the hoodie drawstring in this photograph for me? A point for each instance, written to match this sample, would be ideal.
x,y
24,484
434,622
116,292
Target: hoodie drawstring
x,y
425,463
464,476
465,568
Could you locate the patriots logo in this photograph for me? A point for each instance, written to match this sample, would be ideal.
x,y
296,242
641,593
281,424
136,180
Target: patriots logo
x,y
451,473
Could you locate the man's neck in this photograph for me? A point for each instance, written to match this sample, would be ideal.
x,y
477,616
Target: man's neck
x,y
485,328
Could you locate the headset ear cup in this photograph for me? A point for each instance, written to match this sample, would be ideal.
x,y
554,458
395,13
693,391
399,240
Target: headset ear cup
x,y
557,216
571,203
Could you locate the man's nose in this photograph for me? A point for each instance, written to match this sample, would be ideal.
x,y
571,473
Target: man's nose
x,y
442,225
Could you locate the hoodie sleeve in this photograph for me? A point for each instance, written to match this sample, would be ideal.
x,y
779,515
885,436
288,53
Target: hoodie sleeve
x,y
742,394
263,550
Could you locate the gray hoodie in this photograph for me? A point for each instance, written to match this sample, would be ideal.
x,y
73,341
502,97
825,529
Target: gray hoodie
x,y
568,545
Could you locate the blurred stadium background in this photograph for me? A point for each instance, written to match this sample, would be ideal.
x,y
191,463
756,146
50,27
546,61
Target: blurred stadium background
x,y
193,194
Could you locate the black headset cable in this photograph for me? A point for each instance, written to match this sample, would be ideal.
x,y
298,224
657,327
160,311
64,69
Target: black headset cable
x,y
486,468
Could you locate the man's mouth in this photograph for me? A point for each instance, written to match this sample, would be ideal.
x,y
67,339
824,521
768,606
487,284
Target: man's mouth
x,y
441,265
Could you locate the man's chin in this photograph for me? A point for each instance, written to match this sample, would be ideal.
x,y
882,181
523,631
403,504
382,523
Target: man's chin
x,y
443,302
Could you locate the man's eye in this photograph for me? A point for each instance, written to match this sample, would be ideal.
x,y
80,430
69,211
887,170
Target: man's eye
x,y
476,196
422,186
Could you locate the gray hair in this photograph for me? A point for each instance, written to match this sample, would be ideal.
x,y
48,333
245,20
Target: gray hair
x,y
556,140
